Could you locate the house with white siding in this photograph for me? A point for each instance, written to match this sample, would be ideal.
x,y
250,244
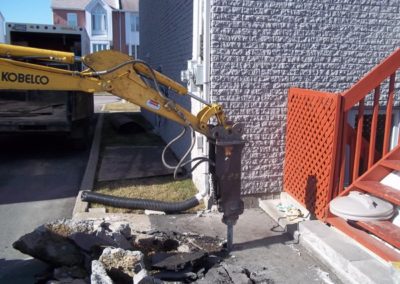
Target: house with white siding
x,y
110,24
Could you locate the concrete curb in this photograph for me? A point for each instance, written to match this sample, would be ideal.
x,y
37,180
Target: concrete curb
x,y
345,256
350,262
90,171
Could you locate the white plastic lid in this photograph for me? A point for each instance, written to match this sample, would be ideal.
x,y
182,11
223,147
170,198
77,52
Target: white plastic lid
x,y
358,206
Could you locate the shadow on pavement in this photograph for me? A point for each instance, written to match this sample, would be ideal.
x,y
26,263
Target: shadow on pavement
x,y
39,167
264,242
20,271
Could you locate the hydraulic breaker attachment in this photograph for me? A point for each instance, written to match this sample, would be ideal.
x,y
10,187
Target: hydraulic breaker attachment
x,y
226,152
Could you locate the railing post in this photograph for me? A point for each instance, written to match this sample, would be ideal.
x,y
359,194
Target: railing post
x,y
389,108
374,123
344,141
359,140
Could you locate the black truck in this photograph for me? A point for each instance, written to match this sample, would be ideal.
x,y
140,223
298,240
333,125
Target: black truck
x,y
61,112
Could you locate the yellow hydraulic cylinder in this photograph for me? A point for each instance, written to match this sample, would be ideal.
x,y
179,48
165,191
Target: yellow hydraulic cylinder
x,y
7,50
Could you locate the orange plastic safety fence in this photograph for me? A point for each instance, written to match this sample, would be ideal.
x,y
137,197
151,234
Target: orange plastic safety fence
x,y
311,148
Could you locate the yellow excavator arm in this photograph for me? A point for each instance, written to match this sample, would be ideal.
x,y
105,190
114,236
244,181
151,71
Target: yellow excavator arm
x,y
136,82
109,71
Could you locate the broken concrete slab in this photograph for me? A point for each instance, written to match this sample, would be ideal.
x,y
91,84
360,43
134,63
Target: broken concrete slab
x,y
122,228
177,261
99,274
256,246
215,275
50,247
120,263
142,277
109,238
229,274
237,274
155,241
185,276
89,235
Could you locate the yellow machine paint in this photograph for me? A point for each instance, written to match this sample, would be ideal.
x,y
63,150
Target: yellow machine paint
x,y
126,82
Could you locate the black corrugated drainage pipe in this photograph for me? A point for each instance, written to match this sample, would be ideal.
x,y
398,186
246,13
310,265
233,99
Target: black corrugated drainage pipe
x,y
132,203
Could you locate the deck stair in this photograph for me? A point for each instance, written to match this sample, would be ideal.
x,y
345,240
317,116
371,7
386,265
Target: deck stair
x,y
342,142
384,232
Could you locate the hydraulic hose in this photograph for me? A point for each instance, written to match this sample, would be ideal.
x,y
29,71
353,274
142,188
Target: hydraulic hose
x,y
133,203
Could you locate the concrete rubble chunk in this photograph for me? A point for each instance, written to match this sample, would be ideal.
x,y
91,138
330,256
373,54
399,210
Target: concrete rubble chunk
x,y
183,248
49,247
66,227
120,263
88,242
177,261
216,274
142,276
121,227
145,242
237,274
155,242
260,277
121,241
105,249
231,274
114,238
99,274
91,234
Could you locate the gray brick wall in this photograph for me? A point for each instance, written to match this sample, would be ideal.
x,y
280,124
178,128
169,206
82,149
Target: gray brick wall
x,y
166,42
261,48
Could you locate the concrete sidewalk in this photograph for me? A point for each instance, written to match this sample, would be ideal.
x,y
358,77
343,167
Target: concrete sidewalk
x,y
348,260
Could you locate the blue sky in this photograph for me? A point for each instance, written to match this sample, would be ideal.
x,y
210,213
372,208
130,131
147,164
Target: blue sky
x,y
27,11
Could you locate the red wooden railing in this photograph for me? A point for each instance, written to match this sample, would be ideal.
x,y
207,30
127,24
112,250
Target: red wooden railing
x,y
354,98
323,148
318,134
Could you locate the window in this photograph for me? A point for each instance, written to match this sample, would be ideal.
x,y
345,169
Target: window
x,y
99,47
72,19
99,20
134,23
134,51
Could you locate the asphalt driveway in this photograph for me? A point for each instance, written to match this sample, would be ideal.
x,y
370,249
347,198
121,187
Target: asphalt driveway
x,y
39,180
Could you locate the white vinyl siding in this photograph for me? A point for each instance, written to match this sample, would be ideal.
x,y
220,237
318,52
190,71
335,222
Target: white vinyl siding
x,y
99,20
133,50
99,47
134,19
